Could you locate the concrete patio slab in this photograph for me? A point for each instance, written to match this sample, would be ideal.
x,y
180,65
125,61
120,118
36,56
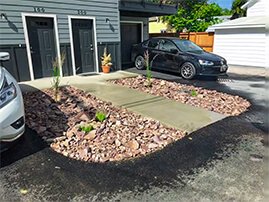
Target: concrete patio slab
x,y
168,112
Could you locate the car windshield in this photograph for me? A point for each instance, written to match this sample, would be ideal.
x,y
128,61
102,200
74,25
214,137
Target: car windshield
x,y
187,46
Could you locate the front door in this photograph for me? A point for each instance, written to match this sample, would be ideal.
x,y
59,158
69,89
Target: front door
x,y
42,45
83,45
130,35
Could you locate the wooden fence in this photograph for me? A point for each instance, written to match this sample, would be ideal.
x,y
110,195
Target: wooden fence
x,y
202,39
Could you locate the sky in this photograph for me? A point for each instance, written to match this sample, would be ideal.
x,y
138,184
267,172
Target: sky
x,y
223,3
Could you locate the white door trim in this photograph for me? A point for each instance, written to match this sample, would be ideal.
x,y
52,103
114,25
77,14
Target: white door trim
x,y
136,22
70,17
26,36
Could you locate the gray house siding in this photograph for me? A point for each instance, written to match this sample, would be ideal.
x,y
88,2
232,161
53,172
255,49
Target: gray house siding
x,y
12,37
12,29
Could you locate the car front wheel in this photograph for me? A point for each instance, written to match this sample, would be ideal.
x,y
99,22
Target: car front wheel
x,y
139,62
188,70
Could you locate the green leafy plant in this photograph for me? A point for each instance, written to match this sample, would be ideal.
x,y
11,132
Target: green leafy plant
x,y
101,116
193,93
57,65
87,128
149,75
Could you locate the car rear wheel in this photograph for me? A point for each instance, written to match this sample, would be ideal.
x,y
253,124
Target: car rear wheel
x,y
139,62
188,70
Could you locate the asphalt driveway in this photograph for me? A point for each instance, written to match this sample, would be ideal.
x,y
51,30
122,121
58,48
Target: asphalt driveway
x,y
223,161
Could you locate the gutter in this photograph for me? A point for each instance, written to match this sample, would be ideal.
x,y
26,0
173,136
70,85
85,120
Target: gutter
x,y
239,26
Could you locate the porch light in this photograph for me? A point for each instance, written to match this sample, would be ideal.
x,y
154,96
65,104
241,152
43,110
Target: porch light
x,y
107,20
3,16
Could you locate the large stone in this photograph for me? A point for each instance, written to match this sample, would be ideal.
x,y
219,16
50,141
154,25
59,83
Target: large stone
x,y
91,135
83,152
152,146
133,144
84,117
117,142
46,101
104,159
41,129
162,83
157,140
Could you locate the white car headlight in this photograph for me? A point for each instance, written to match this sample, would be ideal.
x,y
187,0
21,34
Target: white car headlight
x,y
7,93
206,63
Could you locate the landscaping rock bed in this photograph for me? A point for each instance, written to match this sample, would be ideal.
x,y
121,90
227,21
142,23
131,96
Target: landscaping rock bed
x,y
212,100
122,135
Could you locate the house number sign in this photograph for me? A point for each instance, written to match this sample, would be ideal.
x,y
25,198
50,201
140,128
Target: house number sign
x,y
82,12
39,9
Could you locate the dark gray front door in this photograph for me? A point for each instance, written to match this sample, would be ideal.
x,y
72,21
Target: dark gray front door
x,y
42,45
83,45
130,34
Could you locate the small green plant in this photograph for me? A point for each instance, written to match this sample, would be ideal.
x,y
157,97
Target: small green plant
x,y
101,116
56,75
87,128
149,75
193,93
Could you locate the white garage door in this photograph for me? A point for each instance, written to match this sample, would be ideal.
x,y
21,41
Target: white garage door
x,y
241,46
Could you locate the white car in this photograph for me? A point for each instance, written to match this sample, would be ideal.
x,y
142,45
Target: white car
x,y
12,117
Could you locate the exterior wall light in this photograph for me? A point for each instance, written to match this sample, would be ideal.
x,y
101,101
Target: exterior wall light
x,y
3,16
107,20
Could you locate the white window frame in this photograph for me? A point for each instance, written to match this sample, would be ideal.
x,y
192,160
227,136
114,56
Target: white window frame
x,y
70,17
136,22
27,41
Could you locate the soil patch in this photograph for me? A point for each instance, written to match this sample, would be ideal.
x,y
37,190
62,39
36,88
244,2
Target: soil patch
x,y
122,135
212,100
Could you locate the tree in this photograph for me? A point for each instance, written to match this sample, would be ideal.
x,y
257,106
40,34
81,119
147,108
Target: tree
x,y
237,11
195,15
226,11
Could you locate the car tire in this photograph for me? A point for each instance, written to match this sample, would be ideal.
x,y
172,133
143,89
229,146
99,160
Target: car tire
x,y
187,71
140,62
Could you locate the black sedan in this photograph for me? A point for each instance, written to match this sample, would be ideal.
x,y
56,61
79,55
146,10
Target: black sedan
x,y
179,55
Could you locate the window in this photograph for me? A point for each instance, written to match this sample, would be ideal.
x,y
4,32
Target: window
x,y
167,45
154,43
187,46
145,44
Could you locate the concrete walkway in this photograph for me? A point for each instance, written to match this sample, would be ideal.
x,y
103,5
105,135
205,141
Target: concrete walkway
x,y
168,112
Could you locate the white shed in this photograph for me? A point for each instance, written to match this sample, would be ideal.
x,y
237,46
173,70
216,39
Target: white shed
x,y
245,41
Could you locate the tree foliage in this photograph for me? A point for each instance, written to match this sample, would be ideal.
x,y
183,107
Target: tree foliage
x,y
195,15
237,11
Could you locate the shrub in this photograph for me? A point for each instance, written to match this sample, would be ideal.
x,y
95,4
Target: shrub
x,y
56,75
106,59
87,128
149,75
101,116
193,93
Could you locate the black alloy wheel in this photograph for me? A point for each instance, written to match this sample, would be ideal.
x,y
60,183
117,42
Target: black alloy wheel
x,y
139,62
188,70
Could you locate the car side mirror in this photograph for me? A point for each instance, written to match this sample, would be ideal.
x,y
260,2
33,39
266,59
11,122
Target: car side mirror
x,y
4,56
173,50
